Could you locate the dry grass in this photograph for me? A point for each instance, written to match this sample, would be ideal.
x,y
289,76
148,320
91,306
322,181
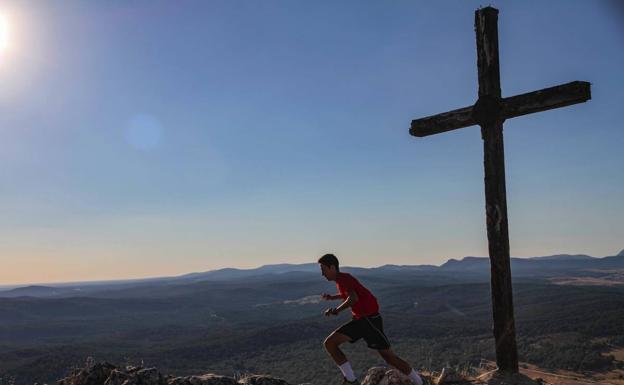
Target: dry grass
x,y
562,377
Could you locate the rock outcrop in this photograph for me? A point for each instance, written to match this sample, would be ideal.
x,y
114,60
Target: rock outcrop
x,y
383,376
104,373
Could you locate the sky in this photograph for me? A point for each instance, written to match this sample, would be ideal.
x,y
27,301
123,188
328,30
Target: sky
x,y
156,138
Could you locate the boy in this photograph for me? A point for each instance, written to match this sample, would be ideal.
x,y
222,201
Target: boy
x,y
366,322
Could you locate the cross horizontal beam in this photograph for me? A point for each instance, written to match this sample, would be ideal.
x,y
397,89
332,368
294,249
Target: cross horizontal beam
x,y
523,104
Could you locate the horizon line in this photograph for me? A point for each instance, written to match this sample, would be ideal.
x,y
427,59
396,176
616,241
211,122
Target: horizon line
x,y
10,286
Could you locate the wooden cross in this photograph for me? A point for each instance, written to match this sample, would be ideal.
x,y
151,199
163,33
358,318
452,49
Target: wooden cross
x,y
489,112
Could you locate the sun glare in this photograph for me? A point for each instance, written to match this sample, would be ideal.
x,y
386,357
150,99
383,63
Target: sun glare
x,y
4,37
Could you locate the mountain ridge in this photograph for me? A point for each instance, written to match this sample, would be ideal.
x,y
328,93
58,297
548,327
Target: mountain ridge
x,y
468,264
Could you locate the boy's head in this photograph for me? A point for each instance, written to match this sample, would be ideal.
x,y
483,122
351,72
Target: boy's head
x,y
330,267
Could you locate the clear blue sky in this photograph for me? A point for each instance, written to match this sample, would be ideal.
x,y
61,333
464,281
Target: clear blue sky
x,y
152,138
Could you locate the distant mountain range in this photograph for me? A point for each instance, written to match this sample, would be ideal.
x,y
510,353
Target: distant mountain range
x,y
231,273
221,318
475,267
559,262
39,291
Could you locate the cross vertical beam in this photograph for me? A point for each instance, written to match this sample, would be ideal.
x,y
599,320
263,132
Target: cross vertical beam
x,y
487,113
490,111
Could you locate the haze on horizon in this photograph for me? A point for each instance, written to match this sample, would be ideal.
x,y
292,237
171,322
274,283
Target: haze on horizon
x,y
101,279
153,139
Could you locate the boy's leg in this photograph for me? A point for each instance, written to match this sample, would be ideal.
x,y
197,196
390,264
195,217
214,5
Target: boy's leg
x,y
376,339
392,359
331,344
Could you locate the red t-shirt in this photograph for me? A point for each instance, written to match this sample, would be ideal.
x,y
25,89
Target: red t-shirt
x,y
366,304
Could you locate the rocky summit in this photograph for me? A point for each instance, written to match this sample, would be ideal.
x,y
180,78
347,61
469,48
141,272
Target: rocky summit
x,y
104,373
381,376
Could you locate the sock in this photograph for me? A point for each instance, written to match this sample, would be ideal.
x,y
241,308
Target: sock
x,y
415,378
347,372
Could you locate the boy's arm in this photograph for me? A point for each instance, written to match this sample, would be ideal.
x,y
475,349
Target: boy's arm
x,y
331,297
350,301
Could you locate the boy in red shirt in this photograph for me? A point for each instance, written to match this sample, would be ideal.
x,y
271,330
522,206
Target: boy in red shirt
x,y
366,322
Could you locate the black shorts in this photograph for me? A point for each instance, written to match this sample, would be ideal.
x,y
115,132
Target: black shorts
x,y
370,328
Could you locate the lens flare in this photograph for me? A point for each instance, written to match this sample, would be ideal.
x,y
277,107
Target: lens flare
x,y
144,132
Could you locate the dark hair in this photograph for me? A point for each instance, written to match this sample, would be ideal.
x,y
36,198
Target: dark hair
x,y
329,260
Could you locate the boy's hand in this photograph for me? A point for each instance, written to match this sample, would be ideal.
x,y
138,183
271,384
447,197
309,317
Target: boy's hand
x,y
331,311
326,297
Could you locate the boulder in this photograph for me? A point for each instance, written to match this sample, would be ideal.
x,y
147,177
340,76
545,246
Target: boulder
x,y
262,380
210,379
149,376
177,381
117,377
374,375
95,374
383,376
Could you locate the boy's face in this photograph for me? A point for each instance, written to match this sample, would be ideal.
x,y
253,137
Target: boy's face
x,y
329,272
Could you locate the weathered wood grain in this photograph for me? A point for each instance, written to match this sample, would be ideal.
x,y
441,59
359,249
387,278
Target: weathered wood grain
x,y
546,99
486,26
447,121
531,102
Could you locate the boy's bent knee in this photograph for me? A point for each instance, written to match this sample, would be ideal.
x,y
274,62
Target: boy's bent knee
x,y
334,340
